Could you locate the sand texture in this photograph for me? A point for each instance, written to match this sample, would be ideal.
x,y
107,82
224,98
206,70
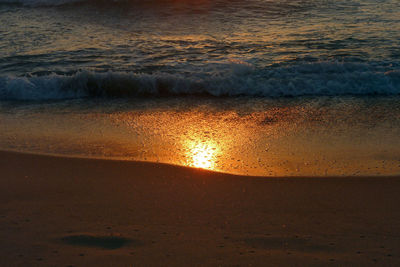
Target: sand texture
x,y
79,212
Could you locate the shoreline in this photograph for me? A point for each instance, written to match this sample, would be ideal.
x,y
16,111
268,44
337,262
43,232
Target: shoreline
x,y
123,160
58,211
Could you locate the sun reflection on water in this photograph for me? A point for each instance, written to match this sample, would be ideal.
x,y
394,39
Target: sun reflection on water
x,y
202,153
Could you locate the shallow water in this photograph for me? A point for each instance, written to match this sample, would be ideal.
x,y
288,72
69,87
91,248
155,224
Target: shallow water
x,y
319,136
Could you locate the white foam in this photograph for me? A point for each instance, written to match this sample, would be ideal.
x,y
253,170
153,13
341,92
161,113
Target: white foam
x,y
235,79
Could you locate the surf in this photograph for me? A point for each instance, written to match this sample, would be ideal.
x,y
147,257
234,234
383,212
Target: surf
x,y
235,79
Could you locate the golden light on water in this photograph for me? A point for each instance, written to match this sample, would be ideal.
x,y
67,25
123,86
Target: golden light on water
x,y
202,154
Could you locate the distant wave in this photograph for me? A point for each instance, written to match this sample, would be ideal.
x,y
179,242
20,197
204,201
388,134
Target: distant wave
x,y
312,79
50,3
38,2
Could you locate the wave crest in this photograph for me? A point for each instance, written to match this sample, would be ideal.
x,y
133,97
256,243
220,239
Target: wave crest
x,y
314,79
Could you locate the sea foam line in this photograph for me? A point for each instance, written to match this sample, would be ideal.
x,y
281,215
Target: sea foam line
x,y
314,79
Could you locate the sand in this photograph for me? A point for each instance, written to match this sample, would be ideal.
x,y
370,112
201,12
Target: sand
x,y
58,211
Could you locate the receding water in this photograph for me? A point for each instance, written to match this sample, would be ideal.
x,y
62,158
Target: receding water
x,y
317,136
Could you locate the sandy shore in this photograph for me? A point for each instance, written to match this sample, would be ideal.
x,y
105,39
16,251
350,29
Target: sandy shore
x,y
79,212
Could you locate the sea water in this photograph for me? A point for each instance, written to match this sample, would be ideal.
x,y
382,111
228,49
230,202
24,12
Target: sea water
x,y
257,87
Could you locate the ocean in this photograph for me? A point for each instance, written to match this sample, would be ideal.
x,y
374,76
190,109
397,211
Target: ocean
x,y
256,87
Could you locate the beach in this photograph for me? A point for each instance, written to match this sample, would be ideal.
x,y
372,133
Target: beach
x,y
199,133
59,211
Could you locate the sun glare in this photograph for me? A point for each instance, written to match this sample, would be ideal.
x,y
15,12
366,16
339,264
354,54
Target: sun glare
x,y
201,154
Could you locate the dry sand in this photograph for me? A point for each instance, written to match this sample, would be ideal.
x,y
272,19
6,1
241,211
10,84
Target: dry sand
x,y
78,212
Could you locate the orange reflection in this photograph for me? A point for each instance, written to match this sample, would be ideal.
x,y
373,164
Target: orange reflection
x,y
201,153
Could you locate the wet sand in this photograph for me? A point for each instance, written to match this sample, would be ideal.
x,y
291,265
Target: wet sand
x,y
80,212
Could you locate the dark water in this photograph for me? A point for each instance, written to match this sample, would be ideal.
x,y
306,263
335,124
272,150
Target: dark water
x,y
74,49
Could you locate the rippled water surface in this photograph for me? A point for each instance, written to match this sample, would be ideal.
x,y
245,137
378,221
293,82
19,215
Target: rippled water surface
x,y
225,47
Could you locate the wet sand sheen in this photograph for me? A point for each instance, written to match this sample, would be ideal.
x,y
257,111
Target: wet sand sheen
x,y
81,212
260,137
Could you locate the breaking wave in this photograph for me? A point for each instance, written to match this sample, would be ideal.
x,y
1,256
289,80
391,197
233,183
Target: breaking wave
x,y
309,79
